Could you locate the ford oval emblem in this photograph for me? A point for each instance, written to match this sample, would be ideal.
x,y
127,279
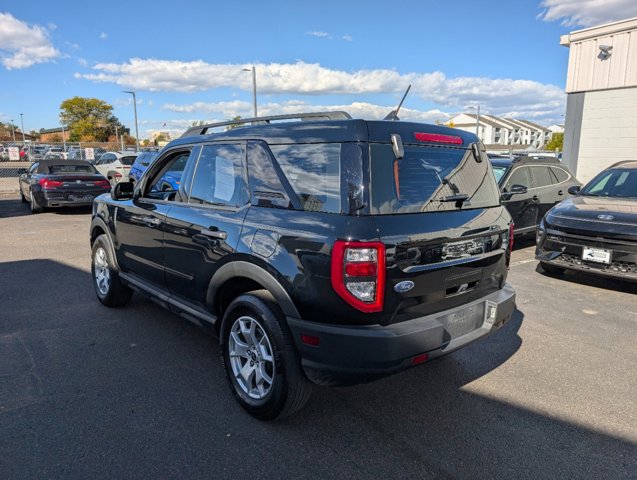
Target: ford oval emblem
x,y
605,217
404,286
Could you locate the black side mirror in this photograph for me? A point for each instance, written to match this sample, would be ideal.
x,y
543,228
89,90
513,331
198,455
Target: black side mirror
x,y
123,191
518,189
574,189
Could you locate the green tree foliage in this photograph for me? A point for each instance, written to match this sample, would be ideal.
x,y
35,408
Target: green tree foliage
x,y
557,141
89,119
234,125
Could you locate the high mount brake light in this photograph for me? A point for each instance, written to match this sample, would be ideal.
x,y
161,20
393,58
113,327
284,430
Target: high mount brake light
x,y
438,138
358,274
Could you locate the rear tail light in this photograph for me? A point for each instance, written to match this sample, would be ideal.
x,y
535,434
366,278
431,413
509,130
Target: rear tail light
x,y
103,183
358,274
48,184
117,175
511,237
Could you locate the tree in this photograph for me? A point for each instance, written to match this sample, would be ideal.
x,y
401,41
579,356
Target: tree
x,y
234,125
556,142
89,119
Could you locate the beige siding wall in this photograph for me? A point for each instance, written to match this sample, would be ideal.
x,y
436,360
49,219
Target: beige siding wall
x,y
609,130
586,71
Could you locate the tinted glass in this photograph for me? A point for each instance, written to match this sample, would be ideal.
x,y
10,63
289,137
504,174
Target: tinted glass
x,y
613,183
266,189
128,160
541,176
560,175
426,176
313,171
71,169
167,180
519,176
107,157
218,178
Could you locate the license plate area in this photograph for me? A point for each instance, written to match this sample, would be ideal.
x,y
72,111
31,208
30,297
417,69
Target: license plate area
x,y
463,321
81,198
596,255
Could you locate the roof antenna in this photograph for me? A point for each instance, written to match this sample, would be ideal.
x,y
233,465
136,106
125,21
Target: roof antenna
x,y
393,115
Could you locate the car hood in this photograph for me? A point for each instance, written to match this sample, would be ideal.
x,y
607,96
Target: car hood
x,y
613,216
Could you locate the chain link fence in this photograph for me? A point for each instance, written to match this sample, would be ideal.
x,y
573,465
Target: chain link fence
x,y
15,157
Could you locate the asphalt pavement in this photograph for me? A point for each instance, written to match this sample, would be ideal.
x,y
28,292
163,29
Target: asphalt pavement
x,y
136,392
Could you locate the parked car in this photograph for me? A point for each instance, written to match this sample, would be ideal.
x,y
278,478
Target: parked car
x,y
331,250
140,165
61,183
596,230
56,149
115,166
530,187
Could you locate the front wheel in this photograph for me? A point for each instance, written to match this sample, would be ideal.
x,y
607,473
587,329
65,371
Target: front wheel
x,y
260,359
109,288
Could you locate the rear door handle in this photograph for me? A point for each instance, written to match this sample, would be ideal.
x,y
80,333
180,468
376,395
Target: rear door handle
x,y
214,233
561,192
535,198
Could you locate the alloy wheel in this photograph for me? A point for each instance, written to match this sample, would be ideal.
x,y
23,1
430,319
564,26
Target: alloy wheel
x,y
102,272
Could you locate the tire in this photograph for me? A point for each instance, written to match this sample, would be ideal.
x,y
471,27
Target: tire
x,y
23,199
550,269
256,341
35,206
108,287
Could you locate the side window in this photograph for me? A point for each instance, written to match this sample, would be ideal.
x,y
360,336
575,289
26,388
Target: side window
x,y
559,174
34,167
219,178
106,158
164,184
266,189
313,170
519,176
541,177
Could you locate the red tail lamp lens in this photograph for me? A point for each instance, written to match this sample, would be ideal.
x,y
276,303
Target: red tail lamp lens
x,y
418,359
48,184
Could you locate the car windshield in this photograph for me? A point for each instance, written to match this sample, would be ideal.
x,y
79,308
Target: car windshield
x,y
618,182
429,179
128,160
499,172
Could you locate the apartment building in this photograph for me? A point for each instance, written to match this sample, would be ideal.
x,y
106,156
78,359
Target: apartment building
x,y
493,130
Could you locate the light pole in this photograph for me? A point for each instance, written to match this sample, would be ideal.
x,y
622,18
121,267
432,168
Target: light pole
x,y
254,88
22,123
63,139
12,130
135,109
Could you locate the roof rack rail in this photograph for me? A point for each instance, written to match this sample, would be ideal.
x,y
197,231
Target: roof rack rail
x,y
535,158
203,129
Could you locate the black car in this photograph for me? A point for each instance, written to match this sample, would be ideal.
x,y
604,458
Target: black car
x,y
61,183
530,187
596,230
328,250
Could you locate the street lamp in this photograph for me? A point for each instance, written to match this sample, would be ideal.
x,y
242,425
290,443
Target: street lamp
x,y
22,123
254,88
12,130
135,108
63,138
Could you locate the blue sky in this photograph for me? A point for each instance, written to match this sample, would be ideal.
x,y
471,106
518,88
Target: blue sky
x,y
185,61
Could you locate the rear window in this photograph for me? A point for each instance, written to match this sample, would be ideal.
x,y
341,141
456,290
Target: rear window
x,y
71,169
427,176
313,171
128,160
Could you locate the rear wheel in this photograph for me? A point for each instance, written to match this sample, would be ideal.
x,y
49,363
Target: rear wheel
x,y
23,199
260,359
35,206
109,288
551,269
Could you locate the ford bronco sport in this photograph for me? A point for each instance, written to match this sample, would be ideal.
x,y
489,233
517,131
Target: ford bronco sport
x,y
328,250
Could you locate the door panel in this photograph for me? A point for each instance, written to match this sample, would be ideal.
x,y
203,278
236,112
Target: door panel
x,y
524,207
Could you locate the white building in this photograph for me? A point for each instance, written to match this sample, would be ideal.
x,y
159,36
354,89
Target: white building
x,y
601,112
503,131
556,128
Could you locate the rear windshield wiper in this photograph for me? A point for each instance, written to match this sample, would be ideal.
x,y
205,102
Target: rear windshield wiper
x,y
459,197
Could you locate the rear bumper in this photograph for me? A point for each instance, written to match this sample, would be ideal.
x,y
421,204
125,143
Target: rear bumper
x,y
54,200
355,354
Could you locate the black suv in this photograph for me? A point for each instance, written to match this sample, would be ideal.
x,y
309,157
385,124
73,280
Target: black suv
x,y
531,186
330,249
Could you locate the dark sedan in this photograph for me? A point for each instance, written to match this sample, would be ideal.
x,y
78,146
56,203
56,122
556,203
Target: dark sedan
x,y
596,230
530,187
61,183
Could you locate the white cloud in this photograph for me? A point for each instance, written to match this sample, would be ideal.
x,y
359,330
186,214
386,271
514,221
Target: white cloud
x,y
23,45
318,34
82,61
587,13
329,36
498,96
103,35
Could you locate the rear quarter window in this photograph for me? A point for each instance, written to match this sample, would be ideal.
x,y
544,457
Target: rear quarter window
x,y
128,160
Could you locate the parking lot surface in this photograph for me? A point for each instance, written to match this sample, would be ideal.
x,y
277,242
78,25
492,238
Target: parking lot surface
x,y
137,392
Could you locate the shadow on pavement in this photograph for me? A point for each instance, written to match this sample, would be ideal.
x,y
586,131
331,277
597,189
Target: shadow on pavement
x,y
591,280
13,207
88,391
